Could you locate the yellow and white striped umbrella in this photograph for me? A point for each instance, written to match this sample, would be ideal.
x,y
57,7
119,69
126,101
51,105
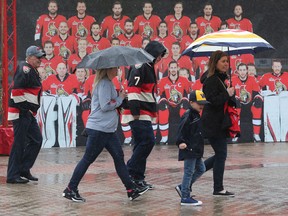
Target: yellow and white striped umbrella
x,y
232,41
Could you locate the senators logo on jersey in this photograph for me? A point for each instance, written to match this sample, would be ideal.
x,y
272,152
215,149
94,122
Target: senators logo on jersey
x,y
177,31
81,31
52,30
148,31
117,30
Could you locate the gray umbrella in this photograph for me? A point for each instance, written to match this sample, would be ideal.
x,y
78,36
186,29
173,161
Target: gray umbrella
x,y
115,56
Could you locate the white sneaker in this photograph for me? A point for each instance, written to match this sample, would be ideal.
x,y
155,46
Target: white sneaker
x,y
127,141
257,138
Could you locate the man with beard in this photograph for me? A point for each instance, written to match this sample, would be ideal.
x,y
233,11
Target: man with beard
x,y
208,23
80,24
173,91
112,26
64,44
96,42
129,38
147,23
47,24
238,22
276,81
190,37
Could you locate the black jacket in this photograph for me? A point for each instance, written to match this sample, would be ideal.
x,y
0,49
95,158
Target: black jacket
x,y
190,133
213,113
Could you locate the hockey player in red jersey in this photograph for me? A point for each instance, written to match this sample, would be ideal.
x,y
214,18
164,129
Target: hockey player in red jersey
x,y
129,38
79,25
76,58
208,23
113,25
190,37
50,61
62,84
96,42
235,60
177,23
238,22
173,91
64,44
250,104
47,24
277,81
164,38
146,24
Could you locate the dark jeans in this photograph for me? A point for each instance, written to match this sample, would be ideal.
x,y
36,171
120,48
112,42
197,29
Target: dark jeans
x,y
144,142
96,142
26,146
217,162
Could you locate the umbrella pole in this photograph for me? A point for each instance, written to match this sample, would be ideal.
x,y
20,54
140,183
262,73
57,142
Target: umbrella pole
x,y
230,78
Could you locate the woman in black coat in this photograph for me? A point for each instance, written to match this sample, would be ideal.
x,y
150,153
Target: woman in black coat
x,y
217,93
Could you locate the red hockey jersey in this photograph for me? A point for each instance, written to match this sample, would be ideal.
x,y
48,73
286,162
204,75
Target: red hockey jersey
x,y
208,26
173,91
80,27
50,65
64,48
134,41
244,24
177,27
146,28
112,28
274,83
57,87
47,27
245,90
96,45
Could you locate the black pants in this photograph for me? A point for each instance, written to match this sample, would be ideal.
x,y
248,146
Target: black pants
x,y
26,146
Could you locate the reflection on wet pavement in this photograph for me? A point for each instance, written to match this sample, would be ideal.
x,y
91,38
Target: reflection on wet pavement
x,y
257,173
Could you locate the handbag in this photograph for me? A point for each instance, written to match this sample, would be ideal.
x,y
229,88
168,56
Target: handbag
x,y
231,121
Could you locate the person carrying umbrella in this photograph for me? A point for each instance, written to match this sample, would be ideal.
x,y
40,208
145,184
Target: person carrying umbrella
x,y
217,93
142,112
103,120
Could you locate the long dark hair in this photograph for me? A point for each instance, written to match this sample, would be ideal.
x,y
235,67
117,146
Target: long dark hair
x,y
215,57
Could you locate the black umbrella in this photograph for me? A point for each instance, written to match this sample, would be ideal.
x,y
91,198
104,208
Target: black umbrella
x,y
115,56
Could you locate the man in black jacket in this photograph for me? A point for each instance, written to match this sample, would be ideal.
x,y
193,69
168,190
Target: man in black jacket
x,y
23,106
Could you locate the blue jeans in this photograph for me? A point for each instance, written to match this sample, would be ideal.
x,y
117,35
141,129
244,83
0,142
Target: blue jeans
x,y
217,162
26,146
144,142
193,169
96,142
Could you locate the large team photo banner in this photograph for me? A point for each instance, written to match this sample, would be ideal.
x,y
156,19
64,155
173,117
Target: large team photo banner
x,y
70,30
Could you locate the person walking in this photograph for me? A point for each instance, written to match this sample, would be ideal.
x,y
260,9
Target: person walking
x,y
190,142
217,93
101,130
142,112
23,105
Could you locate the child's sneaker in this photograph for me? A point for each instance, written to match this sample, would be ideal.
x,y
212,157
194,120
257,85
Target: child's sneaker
x,y
190,201
73,195
178,190
136,192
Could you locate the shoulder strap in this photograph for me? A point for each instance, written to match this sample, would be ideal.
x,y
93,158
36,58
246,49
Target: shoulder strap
x,y
222,83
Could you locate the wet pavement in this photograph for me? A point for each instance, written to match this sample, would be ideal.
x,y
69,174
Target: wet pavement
x,y
257,173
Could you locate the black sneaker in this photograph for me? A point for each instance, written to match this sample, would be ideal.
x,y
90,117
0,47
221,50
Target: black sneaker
x,y
142,183
136,192
224,193
73,195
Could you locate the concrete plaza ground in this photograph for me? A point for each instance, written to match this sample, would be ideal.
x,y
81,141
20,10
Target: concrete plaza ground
x,y
256,172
